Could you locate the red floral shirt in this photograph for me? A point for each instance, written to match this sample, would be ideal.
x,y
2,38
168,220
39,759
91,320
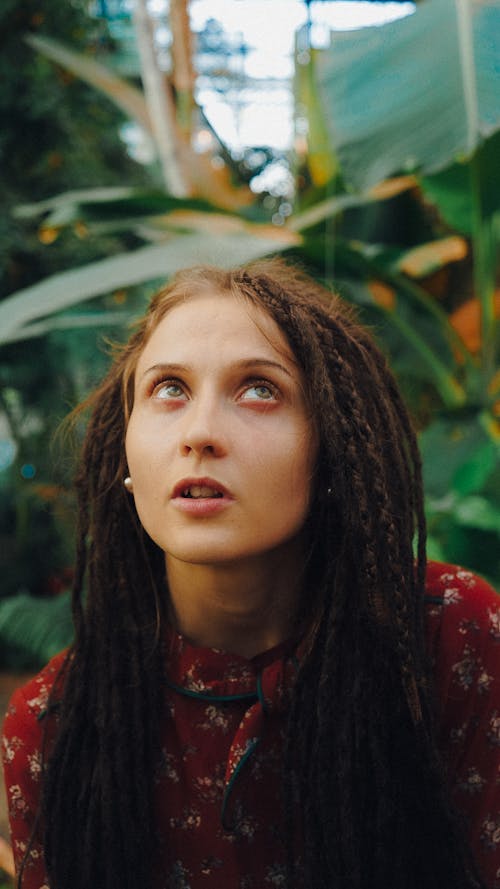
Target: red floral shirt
x,y
218,774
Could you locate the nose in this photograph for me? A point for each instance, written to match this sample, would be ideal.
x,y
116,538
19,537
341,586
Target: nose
x,y
203,430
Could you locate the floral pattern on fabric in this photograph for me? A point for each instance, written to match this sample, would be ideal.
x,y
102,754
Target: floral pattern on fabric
x,y
217,776
463,618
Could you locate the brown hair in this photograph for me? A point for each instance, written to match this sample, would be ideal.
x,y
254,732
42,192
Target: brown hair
x,y
360,763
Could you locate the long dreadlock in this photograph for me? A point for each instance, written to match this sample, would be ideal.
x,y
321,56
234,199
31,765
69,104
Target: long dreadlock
x,y
362,780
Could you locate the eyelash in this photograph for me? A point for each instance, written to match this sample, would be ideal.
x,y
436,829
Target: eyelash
x,y
251,383
164,382
260,383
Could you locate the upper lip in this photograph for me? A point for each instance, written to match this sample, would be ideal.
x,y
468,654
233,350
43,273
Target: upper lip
x,y
204,482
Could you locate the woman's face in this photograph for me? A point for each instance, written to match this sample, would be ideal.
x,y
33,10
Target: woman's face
x,y
220,445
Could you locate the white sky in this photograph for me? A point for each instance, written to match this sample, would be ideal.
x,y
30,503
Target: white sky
x,y
265,110
268,27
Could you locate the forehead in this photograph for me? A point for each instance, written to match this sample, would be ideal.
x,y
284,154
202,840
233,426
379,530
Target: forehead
x,y
221,325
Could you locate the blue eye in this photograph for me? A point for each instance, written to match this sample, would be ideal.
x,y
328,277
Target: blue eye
x,y
168,391
259,392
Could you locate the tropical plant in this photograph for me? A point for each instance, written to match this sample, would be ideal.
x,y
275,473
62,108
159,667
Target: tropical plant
x,y
423,264
56,132
122,240
414,252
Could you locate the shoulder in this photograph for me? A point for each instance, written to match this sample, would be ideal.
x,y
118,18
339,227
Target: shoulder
x,y
463,634
457,599
462,616
23,750
454,584
28,704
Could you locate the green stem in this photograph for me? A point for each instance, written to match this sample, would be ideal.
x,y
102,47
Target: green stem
x,y
327,209
452,393
484,246
491,426
431,307
11,421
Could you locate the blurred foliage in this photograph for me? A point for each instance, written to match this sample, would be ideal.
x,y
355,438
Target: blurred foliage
x,y
56,134
410,262
417,254
61,137
33,630
403,98
40,381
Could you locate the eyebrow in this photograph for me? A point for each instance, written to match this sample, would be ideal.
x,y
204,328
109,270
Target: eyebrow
x,y
243,363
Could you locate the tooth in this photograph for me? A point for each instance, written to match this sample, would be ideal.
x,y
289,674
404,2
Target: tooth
x,y
203,491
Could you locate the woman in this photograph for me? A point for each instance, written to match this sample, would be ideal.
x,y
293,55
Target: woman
x,y
248,701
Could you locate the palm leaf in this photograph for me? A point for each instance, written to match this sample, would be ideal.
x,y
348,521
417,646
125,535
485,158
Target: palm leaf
x,y
122,93
32,630
414,93
153,262
68,322
184,169
125,205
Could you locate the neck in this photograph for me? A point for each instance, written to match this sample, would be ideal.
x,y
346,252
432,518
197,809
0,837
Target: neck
x,y
243,608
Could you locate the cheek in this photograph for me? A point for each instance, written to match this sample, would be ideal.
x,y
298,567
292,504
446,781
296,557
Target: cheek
x,y
145,440
142,462
287,479
132,450
146,477
304,469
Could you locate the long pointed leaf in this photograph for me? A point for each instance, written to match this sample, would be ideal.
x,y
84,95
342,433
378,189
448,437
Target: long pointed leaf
x,y
68,322
76,196
326,209
146,264
452,393
179,161
127,97
112,204
402,96
466,50
160,105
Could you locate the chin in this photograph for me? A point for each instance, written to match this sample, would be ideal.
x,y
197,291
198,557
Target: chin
x,y
213,556
224,552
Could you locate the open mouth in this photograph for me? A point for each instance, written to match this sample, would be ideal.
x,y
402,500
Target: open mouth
x,y
197,492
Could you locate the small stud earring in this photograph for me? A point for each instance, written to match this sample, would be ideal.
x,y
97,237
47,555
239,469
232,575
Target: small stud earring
x,y
128,484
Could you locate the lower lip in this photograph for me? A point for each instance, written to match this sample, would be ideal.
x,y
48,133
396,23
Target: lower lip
x,y
203,506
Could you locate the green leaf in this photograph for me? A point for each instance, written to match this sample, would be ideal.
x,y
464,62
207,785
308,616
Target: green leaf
x,y
414,305
435,550
327,209
472,475
447,445
97,204
157,261
478,512
69,322
414,93
321,162
466,545
413,347
451,192
32,630
123,94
